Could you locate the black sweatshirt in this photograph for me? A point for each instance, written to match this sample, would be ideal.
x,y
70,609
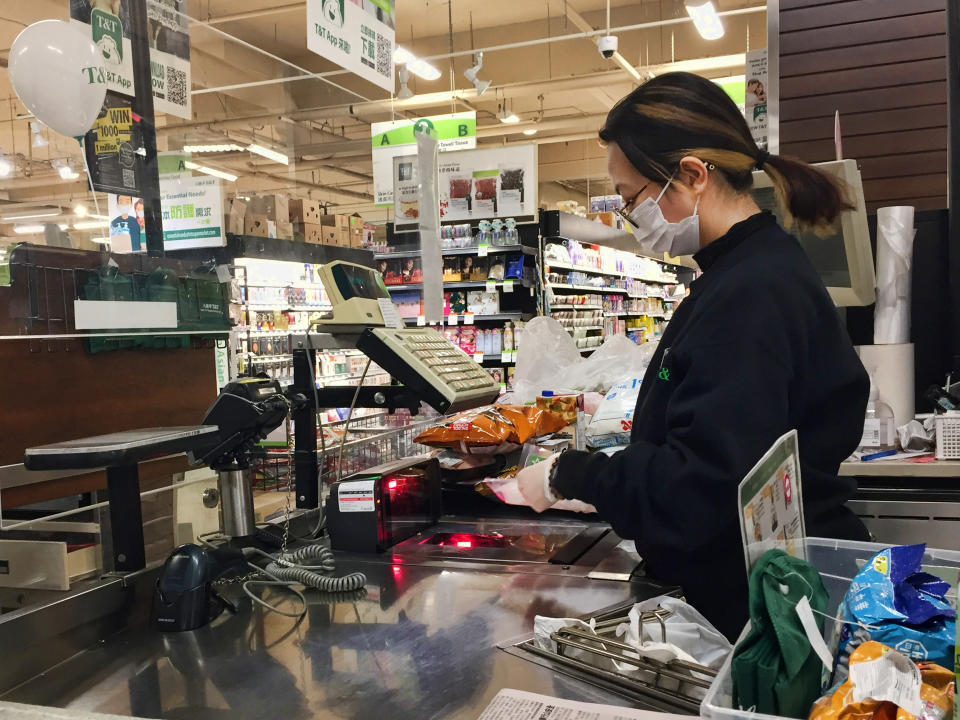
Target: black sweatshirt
x,y
755,350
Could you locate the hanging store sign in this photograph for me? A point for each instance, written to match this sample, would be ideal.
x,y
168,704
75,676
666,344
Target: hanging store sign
x,y
478,184
457,131
358,36
114,149
109,26
755,102
170,56
192,207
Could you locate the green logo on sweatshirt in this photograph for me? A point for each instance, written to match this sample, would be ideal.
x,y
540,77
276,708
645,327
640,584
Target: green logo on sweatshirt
x,y
664,373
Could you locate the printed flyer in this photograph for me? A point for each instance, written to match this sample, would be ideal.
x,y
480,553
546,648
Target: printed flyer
x,y
109,23
169,31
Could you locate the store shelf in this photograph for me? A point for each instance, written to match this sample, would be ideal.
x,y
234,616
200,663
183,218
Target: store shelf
x,y
589,288
551,266
575,307
292,286
477,318
493,249
588,327
281,307
269,333
460,284
633,314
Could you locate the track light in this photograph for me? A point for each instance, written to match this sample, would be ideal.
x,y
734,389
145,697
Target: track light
x,y
471,74
404,75
706,19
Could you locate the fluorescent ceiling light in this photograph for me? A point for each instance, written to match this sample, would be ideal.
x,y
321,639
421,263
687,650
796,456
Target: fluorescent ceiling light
x,y
706,19
268,153
91,224
401,56
423,69
211,148
530,131
6,167
420,68
67,173
101,240
33,229
32,216
80,210
210,171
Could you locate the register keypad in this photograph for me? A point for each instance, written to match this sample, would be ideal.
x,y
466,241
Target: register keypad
x,y
451,365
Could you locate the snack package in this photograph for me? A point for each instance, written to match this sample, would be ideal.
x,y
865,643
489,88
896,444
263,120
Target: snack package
x,y
612,422
893,602
887,685
489,428
568,405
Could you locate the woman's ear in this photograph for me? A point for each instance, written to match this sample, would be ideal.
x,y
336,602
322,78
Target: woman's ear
x,y
693,173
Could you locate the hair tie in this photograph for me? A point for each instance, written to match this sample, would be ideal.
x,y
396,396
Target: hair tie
x,y
761,159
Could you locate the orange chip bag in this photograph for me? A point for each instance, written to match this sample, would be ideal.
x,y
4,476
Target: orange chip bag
x,y
491,426
881,686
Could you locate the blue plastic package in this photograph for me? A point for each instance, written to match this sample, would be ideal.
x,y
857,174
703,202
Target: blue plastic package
x,y
893,602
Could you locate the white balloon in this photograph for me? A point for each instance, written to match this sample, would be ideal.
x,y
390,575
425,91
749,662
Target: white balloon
x,y
57,71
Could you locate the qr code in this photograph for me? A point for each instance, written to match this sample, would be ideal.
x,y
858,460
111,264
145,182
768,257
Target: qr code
x,y
176,86
384,55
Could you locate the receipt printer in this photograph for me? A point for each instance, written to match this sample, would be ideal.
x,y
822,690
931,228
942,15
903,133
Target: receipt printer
x,y
373,510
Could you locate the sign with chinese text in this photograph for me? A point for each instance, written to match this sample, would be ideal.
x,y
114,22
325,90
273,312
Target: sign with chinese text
x,y
755,100
358,36
192,207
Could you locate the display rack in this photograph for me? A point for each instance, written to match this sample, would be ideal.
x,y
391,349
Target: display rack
x,y
637,293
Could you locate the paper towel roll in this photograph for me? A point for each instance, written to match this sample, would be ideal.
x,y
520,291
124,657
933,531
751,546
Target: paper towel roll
x,y
891,320
891,367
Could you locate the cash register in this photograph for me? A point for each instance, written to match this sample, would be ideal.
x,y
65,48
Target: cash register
x,y
420,358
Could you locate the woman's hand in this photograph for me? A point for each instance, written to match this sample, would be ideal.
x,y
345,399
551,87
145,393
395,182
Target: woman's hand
x,y
532,481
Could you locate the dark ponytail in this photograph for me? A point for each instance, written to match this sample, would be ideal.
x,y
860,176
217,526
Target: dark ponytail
x,y
680,114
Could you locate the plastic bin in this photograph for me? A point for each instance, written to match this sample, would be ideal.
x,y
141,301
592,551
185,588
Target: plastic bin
x,y
838,561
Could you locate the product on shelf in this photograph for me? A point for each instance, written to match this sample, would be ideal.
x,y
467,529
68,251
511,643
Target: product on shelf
x,y
481,302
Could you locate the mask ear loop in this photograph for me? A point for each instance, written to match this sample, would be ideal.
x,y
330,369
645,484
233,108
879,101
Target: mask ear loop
x,y
786,590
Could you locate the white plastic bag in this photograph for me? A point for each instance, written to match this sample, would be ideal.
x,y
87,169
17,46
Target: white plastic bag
x,y
612,422
549,360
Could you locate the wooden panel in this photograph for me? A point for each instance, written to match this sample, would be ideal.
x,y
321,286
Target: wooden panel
x,y
873,55
900,188
870,145
930,93
901,74
872,31
821,128
853,11
938,202
74,394
902,165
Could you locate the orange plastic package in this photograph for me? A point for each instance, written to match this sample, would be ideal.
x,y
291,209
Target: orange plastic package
x,y
488,429
882,686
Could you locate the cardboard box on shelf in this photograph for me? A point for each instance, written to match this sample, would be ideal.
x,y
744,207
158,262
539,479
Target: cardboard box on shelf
x,y
305,210
308,232
284,230
233,216
607,218
259,226
356,222
273,207
338,221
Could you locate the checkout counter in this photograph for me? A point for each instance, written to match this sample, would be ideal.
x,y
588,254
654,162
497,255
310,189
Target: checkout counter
x,y
447,600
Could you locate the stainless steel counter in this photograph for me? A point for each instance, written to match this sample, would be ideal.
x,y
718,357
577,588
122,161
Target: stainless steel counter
x,y
421,644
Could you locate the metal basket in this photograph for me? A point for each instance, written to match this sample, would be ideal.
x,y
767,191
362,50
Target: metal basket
x,y
371,440
948,435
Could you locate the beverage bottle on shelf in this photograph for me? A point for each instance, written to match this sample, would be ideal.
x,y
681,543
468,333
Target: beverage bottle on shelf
x,y
496,342
517,334
507,337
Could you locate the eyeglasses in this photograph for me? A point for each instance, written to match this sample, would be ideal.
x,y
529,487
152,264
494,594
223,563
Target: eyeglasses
x,y
624,212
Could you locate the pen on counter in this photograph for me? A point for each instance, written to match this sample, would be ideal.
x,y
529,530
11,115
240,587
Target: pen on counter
x,y
878,455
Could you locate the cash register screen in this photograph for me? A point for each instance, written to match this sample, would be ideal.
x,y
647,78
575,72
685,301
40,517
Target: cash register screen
x,y
358,282
828,253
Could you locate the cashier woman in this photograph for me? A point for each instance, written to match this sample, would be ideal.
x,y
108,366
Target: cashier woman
x,y
755,350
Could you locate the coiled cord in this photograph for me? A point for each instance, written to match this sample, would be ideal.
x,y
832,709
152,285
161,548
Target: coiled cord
x,y
291,568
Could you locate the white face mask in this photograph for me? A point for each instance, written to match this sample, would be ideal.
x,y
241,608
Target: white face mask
x,y
656,235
